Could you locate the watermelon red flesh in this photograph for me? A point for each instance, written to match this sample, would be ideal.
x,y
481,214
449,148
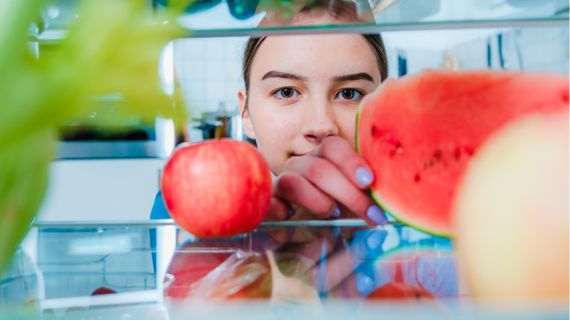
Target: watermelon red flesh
x,y
418,133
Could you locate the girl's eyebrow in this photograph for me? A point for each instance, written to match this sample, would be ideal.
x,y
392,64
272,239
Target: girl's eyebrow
x,y
284,75
352,77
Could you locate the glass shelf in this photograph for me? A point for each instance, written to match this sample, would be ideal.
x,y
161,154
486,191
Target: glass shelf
x,y
380,28
229,18
153,270
64,265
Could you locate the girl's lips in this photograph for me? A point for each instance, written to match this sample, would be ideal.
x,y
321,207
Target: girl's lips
x,y
298,154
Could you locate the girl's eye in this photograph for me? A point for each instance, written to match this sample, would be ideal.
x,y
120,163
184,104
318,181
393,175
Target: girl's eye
x,y
349,94
286,93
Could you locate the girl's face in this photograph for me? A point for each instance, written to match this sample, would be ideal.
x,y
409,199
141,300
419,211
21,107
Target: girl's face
x,y
303,89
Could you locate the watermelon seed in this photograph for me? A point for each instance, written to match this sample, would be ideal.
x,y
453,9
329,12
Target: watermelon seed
x,y
417,178
395,147
428,163
399,149
392,142
376,133
437,154
457,153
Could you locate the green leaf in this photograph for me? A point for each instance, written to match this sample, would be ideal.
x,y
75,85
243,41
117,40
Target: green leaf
x,y
15,18
113,48
24,179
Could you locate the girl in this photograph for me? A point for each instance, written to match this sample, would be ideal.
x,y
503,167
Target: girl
x,y
299,103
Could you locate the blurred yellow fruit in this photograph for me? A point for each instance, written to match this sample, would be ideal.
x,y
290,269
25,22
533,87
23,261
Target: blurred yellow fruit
x,y
511,213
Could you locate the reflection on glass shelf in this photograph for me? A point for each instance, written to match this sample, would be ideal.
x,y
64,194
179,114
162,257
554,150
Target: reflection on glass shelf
x,y
214,18
69,265
152,270
300,264
222,14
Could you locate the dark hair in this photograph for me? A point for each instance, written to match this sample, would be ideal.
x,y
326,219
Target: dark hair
x,y
341,10
374,40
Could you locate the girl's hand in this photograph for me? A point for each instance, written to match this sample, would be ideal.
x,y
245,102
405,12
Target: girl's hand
x,y
331,176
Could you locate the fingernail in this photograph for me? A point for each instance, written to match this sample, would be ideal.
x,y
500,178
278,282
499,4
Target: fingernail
x,y
374,241
363,176
335,213
290,212
364,284
376,215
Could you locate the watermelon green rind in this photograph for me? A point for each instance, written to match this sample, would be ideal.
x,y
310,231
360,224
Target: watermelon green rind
x,y
356,141
398,216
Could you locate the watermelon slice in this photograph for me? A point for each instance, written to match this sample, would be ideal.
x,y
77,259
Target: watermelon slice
x,y
418,134
432,269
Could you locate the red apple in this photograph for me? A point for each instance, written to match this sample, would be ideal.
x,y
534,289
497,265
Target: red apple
x,y
217,188
102,290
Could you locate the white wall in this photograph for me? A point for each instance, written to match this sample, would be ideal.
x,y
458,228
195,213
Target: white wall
x,y
209,71
527,49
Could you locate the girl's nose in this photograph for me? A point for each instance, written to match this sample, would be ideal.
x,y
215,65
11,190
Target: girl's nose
x,y
319,121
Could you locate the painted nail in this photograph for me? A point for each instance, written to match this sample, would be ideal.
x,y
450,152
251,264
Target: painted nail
x,y
376,215
363,176
290,213
335,213
364,284
374,241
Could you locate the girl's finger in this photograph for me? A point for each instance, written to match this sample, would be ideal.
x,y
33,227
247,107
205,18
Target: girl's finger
x,y
278,210
340,153
326,178
293,187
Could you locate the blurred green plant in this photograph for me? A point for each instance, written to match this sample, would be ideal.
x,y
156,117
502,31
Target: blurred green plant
x,y
113,47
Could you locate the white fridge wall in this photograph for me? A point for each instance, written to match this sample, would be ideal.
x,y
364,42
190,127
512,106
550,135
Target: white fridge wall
x,y
113,189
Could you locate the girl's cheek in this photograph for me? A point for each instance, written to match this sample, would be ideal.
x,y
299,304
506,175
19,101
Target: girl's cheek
x,y
348,126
